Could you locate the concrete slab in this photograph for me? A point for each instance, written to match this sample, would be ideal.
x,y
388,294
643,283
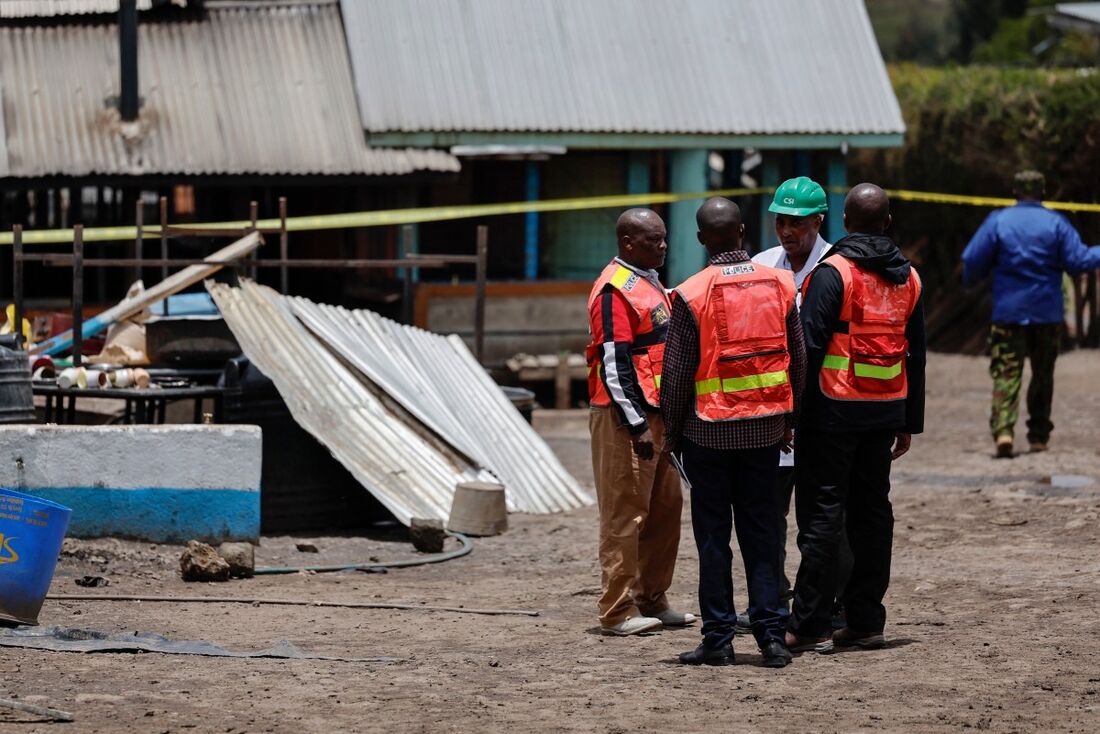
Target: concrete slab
x,y
160,483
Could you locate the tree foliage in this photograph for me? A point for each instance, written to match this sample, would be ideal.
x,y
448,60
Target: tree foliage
x,y
969,129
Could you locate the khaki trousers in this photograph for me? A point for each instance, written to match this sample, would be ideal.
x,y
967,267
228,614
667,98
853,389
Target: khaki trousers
x,y
640,503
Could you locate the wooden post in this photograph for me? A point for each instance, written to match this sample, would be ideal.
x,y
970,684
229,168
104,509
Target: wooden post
x,y
479,297
1079,306
17,280
562,382
284,249
78,293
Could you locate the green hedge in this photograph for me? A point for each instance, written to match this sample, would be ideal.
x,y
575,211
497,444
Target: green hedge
x,y
968,130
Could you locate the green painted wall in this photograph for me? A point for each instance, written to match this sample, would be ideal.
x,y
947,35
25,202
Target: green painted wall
x,y
578,244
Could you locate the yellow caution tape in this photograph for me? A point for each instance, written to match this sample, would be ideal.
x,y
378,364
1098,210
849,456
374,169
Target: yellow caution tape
x,y
1065,206
382,218
441,213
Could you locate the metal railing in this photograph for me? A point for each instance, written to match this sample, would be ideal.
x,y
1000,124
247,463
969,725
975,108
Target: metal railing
x,y
77,261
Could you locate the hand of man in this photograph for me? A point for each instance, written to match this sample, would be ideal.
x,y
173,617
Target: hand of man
x,y
786,445
643,445
902,442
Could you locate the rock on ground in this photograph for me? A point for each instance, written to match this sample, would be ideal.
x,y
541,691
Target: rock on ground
x,y
241,558
200,562
427,536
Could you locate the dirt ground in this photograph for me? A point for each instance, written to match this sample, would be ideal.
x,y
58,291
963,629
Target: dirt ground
x,y
994,617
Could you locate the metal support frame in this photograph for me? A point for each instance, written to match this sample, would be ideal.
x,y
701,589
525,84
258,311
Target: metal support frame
x,y
479,294
284,249
410,262
408,245
139,223
531,224
78,293
837,184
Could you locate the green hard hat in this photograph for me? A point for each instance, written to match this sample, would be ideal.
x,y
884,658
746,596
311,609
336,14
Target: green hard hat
x,y
799,197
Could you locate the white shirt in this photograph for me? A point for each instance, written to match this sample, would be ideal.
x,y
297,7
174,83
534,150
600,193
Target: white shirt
x,y
776,257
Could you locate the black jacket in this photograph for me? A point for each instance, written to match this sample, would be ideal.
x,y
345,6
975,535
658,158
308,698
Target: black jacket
x,y
820,318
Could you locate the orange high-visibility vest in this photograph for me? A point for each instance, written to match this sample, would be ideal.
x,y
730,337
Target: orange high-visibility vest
x,y
648,351
867,361
741,311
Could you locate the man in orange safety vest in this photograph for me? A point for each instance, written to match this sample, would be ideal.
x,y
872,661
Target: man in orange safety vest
x,y
732,378
637,490
863,319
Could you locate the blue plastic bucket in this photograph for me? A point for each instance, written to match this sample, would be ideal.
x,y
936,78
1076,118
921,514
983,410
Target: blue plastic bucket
x,y
31,533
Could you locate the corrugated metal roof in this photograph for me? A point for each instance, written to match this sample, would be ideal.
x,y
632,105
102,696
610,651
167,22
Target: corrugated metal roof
x,y
641,66
53,8
250,89
1083,11
440,382
410,461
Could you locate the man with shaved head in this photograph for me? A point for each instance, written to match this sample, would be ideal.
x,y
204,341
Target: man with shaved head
x,y
638,491
863,318
733,376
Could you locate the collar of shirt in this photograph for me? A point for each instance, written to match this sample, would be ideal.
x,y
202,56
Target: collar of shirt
x,y
726,258
650,275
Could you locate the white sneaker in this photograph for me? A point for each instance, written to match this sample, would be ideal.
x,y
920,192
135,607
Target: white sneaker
x,y
632,626
672,618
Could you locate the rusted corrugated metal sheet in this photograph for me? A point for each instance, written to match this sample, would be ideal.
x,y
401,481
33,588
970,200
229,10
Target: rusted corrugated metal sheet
x,y
626,66
340,371
250,89
440,382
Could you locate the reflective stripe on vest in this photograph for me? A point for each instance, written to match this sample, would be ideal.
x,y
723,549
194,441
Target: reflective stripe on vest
x,y
653,309
741,312
738,384
868,362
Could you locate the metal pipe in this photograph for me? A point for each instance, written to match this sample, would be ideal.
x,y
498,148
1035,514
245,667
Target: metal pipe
x,y
284,248
61,259
407,240
17,279
479,296
253,216
164,243
128,99
78,293
139,216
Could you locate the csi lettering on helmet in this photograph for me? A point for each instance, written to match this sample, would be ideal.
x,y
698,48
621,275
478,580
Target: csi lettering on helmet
x,y
789,201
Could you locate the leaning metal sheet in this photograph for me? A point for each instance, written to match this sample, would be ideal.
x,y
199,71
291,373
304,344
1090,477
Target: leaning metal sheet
x,y
411,473
437,380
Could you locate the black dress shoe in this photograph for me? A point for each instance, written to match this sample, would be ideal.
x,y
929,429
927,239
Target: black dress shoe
x,y
704,655
776,655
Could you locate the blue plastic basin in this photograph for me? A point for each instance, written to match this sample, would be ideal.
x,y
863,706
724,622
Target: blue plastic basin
x,y
31,533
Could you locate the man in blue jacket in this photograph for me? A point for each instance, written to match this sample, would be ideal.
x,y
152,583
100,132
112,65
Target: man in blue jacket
x,y
1027,247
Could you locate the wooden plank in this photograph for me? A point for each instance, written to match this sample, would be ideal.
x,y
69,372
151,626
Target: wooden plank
x,y
170,285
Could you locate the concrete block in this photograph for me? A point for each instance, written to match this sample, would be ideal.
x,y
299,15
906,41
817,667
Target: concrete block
x,y
164,484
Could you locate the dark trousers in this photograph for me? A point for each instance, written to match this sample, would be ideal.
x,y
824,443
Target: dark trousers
x,y
803,510
848,477
735,489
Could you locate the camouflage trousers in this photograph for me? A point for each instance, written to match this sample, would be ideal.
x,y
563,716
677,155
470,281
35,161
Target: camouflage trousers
x,y
1009,345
